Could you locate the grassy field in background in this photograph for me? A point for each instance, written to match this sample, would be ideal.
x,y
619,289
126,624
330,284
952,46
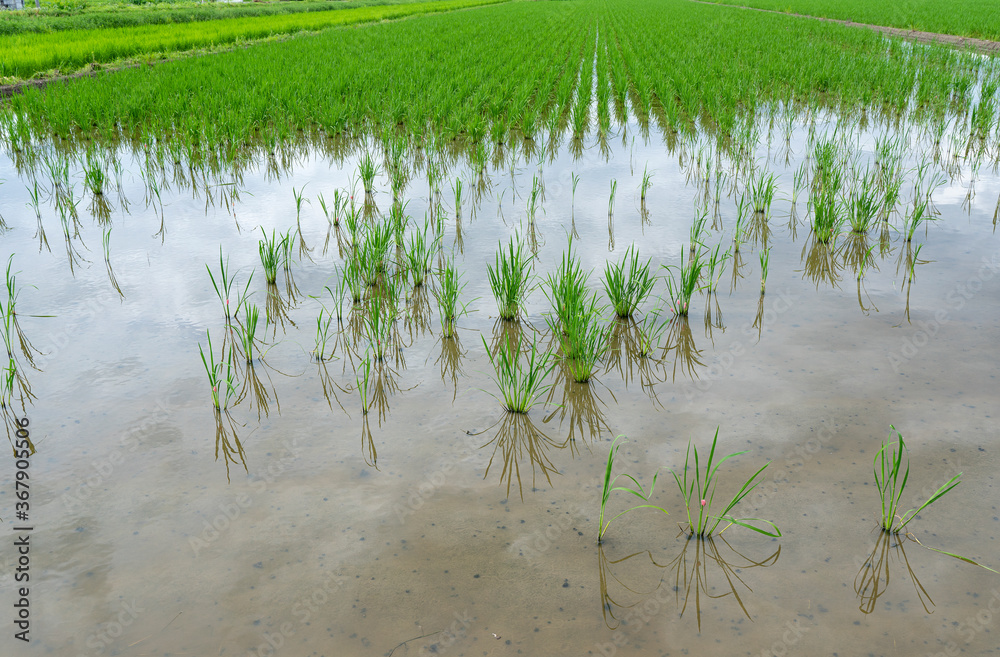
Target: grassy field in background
x,y
28,54
972,18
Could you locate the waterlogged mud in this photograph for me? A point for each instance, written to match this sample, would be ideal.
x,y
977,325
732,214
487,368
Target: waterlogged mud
x,y
438,524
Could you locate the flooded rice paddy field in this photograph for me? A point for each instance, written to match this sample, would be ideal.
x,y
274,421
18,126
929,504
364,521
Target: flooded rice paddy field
x,y
439,520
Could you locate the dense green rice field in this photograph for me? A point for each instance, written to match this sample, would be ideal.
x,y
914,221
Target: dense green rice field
x,y
972,18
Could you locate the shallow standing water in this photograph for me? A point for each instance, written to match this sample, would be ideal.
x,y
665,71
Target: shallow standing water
x,y
142,545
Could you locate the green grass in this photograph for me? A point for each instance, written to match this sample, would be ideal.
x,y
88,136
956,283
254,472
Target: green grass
x,y
26,54
973,18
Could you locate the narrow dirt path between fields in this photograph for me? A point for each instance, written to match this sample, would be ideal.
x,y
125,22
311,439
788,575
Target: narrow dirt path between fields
x,y
982,45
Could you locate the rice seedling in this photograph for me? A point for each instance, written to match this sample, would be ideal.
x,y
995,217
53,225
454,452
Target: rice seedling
x,y
762,190
610,487
574,181
799,181
864,204
221,373
510,279
418,256
399,220
521,384
646,182
715,267
224,287
271,252
698,229
584,339
457,189
828,217
891,475
681,290
611,199
368,169
246,333
628,283
566,289
299,201
917,216
536,194
323,321
447,294
698,490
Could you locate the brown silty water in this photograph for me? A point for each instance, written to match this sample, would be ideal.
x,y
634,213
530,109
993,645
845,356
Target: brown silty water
x,y
439,524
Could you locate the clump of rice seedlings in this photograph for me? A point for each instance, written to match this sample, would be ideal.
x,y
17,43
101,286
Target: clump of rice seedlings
x,y
246,332
891,475
353,281
299,201
520,378
323,321
765,259
447,294
224,287
762,190
681,289
628,283
715,266
418,256
916,216
271,252
864,204
221,373
537,194
457,189
399,220
584,338
742,205
611,199
698,489
828,217
610,487
644,186
510,279
94,176
368,169
566,289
